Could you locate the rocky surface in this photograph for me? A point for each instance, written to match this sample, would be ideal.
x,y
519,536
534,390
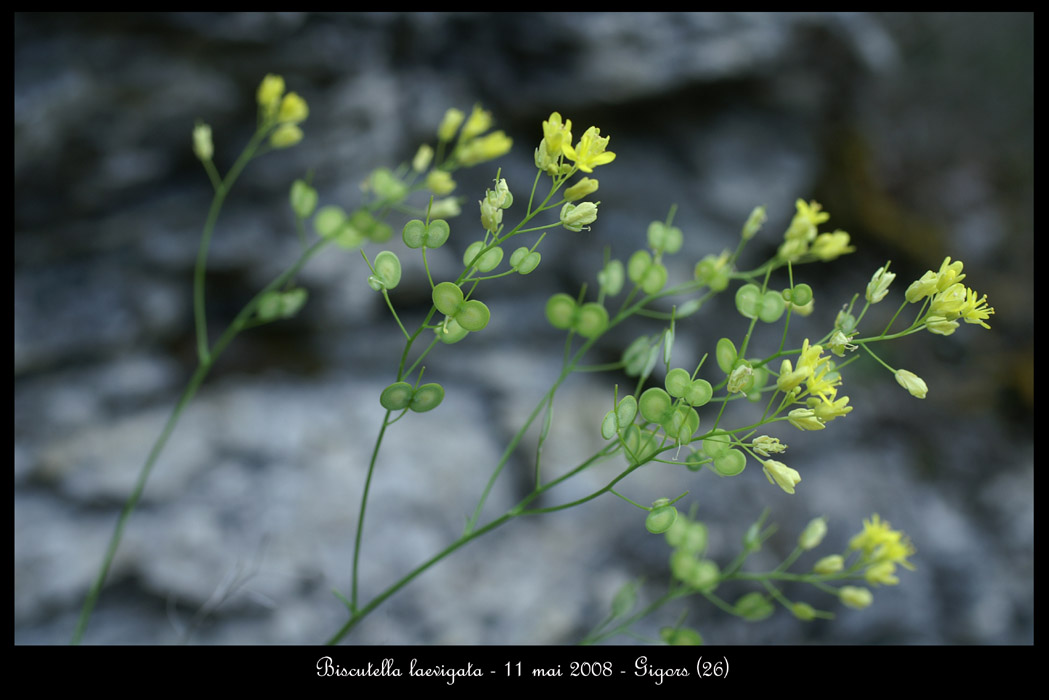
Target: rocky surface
x,y
915,131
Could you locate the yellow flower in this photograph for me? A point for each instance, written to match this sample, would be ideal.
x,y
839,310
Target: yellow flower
x,y
293,109
269,93
880,543
780,474
285,135
557,136
453,118
584,187
975,311
806,219
590,151
828,246
440,182
912,383
485,148
477,123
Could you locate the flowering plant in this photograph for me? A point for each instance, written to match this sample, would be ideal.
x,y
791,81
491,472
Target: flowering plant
x,y
679,412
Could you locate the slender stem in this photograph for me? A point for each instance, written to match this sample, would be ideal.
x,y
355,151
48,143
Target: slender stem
x,y
360,517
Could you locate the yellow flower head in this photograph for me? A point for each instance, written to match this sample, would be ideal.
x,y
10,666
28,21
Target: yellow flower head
x,y
477,123
828,246
590,151
975,310
557,136
880,543
485,148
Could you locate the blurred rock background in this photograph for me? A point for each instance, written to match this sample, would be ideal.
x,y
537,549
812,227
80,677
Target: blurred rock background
x,y
914,130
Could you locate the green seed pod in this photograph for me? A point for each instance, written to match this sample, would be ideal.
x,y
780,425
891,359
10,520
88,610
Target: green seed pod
x,y
717,443
677,382
611,278
699,392
303,199
694,538
772,307
639,262
450,331
591,320
753,607
640,357
641,444
473,315
655,405
397,396
801,295
726,355
329,220
626,410
676,534
730,463
682,564
426,398
447,297
681,636
560,311
291,301
654,278
488,261
610,425
387,270
625,599
660,519
749,300
663,238
705,576
524,260
695,460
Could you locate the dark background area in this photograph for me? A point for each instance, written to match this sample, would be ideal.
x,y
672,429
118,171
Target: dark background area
x,y
914,130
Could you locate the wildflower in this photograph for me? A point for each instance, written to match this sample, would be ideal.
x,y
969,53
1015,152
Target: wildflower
x,y
829,246
975,311
422,158
813,533
932,282
485,148
940,325
293,109
805,419
476,124
879,542
912,383
878,287
737,380
829,410
285,135
882,572
584,187
590,151
440,182
780,474
766,445
949,302
491,215
202,145
855,597
500,196
829,565
453,118
823,381
806,219
839,343
269,93
921,288
557,136
575,217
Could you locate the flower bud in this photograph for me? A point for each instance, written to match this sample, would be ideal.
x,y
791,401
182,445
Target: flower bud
x,y
450,124
813,533
293,109
269,93
805,419
440,182
803,611
878,287
202,145
575,217
584,187
780,474
422,158
485,148
285,135
445,208
754,223
478,122
855,597
912,383
829,565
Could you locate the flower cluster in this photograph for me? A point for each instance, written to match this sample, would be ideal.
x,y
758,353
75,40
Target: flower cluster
x,y
950,300
473,146
802,237
821,380
280,111
880,549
